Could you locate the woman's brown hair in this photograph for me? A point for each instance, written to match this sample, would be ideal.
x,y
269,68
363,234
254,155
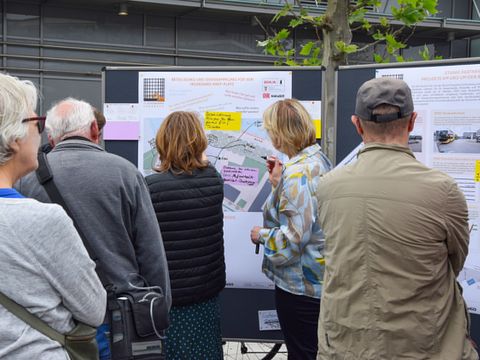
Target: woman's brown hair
x,y
181,143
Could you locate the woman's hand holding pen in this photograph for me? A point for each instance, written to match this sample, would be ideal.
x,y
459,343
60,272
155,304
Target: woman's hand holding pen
x,y
275,167
255,237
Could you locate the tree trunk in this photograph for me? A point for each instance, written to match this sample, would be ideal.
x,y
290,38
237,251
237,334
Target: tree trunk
x,y
339,30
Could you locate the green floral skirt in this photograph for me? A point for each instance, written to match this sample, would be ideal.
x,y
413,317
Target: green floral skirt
x,y
194,332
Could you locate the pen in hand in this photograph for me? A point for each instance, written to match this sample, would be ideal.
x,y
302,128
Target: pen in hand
x,y
271,161
257,248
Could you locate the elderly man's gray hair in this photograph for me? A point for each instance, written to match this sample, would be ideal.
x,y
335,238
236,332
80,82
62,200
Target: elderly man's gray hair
x,y
69,117
18,99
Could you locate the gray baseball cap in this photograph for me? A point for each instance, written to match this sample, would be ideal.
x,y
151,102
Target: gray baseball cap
x,y
380,91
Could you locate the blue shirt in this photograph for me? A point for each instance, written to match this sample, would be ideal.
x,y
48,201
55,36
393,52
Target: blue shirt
x,y
10,193
293,240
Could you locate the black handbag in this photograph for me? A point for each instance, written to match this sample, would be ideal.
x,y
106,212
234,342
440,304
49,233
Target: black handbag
x,y
79,343
138,317
137,323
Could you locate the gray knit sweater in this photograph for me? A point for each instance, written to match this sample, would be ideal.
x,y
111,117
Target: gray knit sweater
x,y
45,268
110,202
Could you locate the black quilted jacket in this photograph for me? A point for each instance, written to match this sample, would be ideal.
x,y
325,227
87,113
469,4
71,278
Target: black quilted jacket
x,y
189,212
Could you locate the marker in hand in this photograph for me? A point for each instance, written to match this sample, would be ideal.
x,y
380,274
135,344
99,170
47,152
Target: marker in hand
x,y
255,237
270,162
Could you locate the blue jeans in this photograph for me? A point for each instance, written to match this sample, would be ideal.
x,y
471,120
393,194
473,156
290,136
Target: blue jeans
x,y
103,342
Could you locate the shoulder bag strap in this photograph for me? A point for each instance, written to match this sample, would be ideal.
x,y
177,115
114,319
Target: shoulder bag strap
x,y
45,178
32,320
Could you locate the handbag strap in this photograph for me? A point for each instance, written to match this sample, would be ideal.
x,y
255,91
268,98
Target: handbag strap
x,y
45,178
32,320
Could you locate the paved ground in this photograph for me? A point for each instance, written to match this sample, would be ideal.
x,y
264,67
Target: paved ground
x,y
256,351
460,146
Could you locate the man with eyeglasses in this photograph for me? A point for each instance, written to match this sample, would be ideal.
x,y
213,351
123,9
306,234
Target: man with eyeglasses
x,y
108,199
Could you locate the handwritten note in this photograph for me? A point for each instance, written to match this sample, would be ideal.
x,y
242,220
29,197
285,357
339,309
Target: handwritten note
x,y
477,171
221,120
240,175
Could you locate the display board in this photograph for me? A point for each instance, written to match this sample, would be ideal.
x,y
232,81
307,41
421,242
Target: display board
x,y
230,103
446,97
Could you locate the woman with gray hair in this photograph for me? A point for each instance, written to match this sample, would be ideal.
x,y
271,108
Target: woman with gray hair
x,y
43,263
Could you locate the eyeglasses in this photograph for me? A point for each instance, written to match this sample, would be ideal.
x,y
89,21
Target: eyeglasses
x,y
40,122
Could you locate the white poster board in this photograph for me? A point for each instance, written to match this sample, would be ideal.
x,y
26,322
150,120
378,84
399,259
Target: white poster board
x,y
230,106
447,137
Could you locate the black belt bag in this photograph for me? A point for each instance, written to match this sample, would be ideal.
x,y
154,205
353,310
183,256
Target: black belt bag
x,y
138,320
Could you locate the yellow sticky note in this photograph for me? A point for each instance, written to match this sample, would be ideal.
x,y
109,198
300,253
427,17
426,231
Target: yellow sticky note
x,y
477,171
318,128
221,120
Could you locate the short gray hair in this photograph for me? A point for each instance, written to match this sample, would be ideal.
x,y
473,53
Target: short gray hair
x,y
69,116
18,99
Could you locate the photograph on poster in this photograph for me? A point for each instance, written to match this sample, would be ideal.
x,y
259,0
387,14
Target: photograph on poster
x,y
415,139
456,131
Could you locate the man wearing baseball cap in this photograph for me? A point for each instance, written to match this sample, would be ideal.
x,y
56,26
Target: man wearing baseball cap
x,y
396,237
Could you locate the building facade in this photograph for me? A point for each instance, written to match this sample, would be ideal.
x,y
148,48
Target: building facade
x,y
62,45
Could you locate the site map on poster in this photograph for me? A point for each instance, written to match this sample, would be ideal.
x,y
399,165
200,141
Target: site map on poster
x,y
230,106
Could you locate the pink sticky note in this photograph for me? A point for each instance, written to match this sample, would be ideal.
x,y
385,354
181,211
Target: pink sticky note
x,y
240,175
121,130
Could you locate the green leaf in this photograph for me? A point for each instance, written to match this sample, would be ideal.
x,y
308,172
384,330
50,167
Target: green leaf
x,y
340,45
350,49
366,25
283,34
400,58
291,62
307,48
290,53
438,57
357,16
285,10
430,6
392,44
425,53
308,18
271,49
295,22
344,48
263,43
384,21
378,36
378,58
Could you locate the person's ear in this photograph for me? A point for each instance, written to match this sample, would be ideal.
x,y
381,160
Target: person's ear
x,y
411,122
51,141
94,132
15,146
358,125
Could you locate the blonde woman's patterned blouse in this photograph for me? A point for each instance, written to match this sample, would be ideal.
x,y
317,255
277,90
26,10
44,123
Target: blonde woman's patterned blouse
x,y
291,234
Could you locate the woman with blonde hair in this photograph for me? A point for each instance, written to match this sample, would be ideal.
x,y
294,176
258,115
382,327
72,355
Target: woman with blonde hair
x,y
291,235
187,195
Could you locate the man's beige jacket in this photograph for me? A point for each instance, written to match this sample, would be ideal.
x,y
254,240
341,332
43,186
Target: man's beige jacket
x,y
396,236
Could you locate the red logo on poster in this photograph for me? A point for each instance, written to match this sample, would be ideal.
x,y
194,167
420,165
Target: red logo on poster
x,y
266,95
